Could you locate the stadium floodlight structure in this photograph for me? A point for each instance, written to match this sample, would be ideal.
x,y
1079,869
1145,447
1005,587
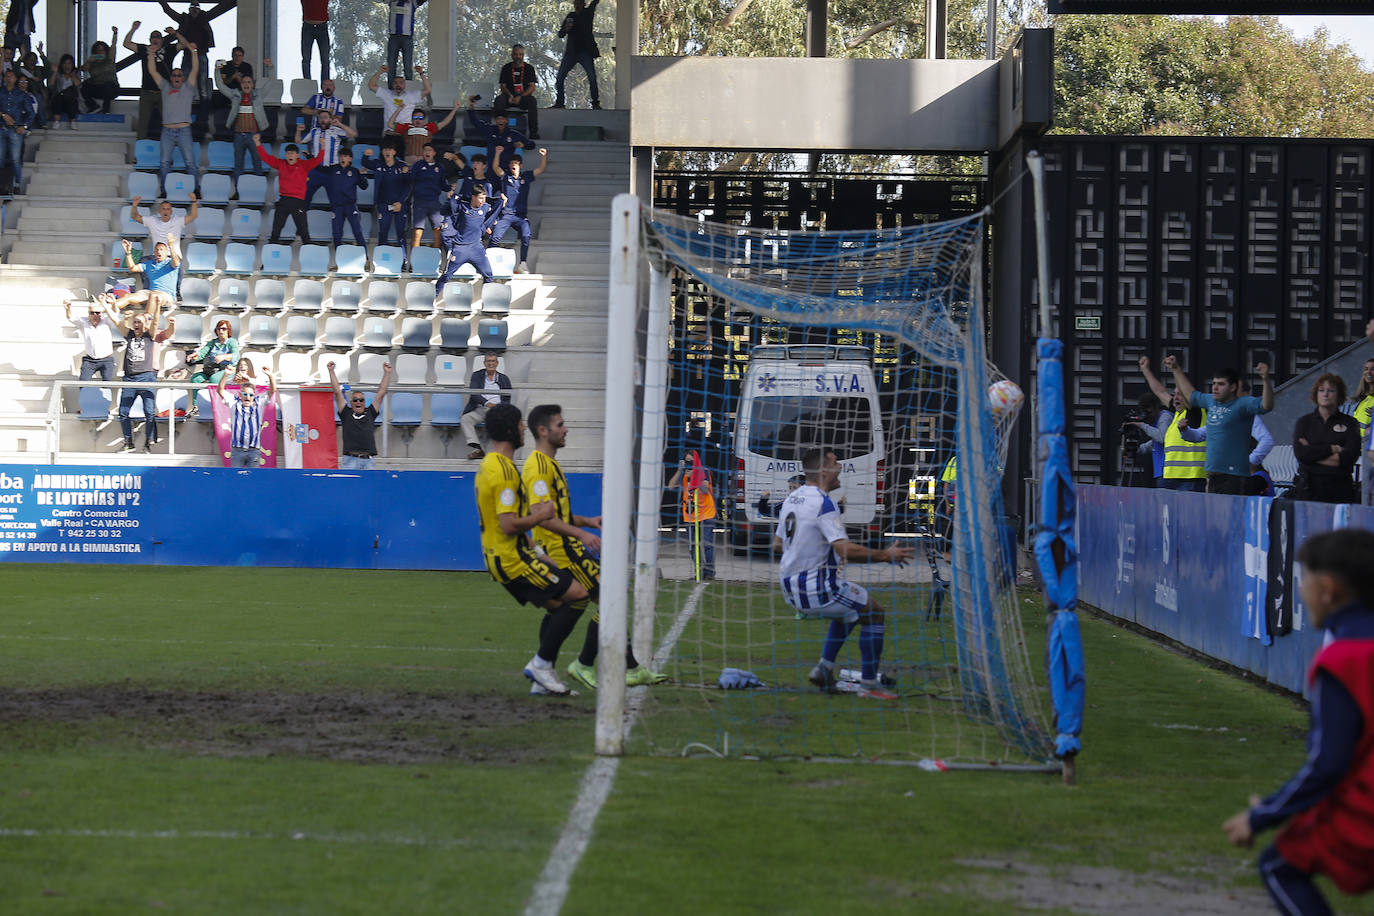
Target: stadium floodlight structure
x,y
922,459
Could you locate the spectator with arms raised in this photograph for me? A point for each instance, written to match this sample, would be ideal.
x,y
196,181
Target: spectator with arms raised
x,y
291,182
358,421
101,85
177,96
1229,422
515,191
247,116
398,101
97,337
580,49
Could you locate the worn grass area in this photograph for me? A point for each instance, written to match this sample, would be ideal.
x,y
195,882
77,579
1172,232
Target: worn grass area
x,y
274,741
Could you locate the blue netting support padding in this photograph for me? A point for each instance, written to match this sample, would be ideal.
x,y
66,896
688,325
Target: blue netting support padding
x,y
1056,553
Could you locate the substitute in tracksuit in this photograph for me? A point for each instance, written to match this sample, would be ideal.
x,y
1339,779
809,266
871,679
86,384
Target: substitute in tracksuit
x,y
515,190
292,172
325,140
427,189
462,236
393,192
498,132
475,176
341,183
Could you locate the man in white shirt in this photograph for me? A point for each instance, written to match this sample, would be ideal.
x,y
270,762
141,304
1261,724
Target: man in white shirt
x,y
812,539
397,100
97,337
167,224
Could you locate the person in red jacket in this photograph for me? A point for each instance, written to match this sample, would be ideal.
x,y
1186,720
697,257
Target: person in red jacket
x,y
292,175
1329,804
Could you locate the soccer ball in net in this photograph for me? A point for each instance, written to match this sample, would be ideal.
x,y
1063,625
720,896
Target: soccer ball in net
x,y
1005,397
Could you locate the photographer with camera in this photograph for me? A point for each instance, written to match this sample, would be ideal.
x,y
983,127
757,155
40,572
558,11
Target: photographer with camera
x,y
1143,434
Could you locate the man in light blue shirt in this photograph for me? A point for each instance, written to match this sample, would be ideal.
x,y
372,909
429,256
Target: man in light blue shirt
x,y
1229,423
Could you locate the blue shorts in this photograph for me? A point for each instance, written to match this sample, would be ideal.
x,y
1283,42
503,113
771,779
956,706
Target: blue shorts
x,y
426,213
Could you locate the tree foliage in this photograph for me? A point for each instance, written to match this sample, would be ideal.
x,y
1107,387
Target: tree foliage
x,y
1241,77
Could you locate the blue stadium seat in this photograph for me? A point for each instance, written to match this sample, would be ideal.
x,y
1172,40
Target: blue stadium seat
x,y
406,408
339,332
386,261
276,260
245,223
95,403
179,161
262,332
451,370
191,327
269,295
495,299
345,296
117,252
215,189
415,333
502,263
350,260
179,187
320,223
367,197
491,334
446,410
469,151
301,332
458,298
419,297
377,333
240,258
411,369
209,223
233,293
307,296
424,262
314,260
201,258
147,154
127,225
252,189
141,184
221,156
195,297
383,296
454,334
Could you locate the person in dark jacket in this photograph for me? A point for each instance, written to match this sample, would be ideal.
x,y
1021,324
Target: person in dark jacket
x,y
393,192
487,384
341,184
1326,444
462,232
580,49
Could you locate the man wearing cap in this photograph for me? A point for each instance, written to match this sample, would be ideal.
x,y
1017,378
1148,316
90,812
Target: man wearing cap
x,y
358,421
97,337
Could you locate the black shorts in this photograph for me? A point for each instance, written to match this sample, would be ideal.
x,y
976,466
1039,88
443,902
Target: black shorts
x,y
585,569
537,582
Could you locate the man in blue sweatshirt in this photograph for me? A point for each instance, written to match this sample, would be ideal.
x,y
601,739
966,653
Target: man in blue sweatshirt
x,y
498,132
341,183
427,189
16,117
462,235
515,190
393,192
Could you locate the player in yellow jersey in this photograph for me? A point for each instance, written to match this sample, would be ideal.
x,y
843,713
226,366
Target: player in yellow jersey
x,y
565,540
505,519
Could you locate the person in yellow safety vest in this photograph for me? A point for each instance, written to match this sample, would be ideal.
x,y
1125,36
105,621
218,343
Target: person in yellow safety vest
x,y
1362,403
1185,451
698,511
944,527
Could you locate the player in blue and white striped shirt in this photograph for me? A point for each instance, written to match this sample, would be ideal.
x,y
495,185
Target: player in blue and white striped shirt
x,y
245,421
812,539
400,19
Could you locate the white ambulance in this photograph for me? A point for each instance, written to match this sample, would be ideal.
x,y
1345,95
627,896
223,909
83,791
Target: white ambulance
x,y
796,397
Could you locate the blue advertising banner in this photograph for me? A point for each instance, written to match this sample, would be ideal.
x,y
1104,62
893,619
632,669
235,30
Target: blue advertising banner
x,y
1200,569
223,517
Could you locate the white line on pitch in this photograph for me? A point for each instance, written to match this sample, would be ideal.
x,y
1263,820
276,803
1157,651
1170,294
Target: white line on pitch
x,y
552,887
237,642
299,835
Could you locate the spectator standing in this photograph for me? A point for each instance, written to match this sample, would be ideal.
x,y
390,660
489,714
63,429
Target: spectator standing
x,y
216,356
160,270
1229,422
341,184
140,365
101,85
400,40
36,93
1185,453
245,421
1326,443
247,117
1361,405
422,131
97,337
515,191
580,49
498,133
232,71
427,205
161,50
487,384
398,101
64,90
194,26
463,229
324,100
699,512
475,176
168,225
1324,815
20,23
16,113
177,96
315,31
1155,426
518,81
358,421
324,141
393,193
292,173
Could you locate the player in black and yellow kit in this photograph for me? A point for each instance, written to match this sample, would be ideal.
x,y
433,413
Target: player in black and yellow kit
x,y
565,540
505,519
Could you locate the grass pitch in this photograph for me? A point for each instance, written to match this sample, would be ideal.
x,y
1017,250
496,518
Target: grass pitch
x,y
304,741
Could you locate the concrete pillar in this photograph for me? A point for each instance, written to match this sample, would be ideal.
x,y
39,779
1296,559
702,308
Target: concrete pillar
x,y
251,18
642,173
626,47
1012,225
817,22
60,29
443,38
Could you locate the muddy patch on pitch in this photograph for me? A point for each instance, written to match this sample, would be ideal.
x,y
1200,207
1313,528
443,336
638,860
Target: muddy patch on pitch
x,y
1112,892
369,728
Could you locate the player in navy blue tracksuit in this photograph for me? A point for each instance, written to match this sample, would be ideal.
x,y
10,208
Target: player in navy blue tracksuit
x,y
475,176
464,227
515,190
498,132
428,185
341,183
393,193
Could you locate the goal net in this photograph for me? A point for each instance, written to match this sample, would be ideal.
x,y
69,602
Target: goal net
x,y
743,350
